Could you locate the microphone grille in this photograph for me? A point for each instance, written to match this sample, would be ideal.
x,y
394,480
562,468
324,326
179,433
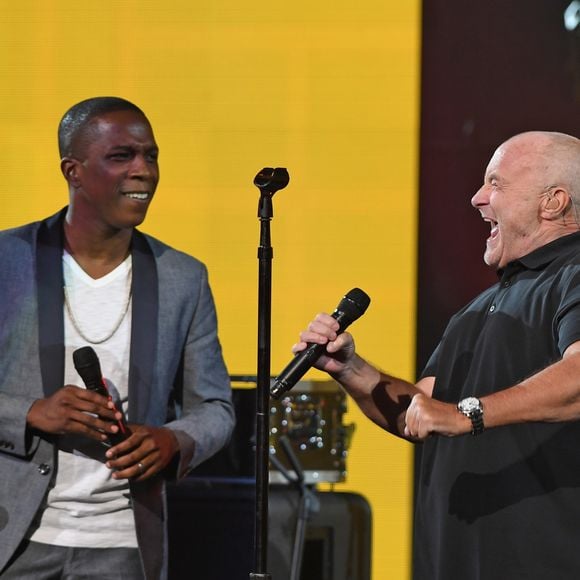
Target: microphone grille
x,y
85,357
354,303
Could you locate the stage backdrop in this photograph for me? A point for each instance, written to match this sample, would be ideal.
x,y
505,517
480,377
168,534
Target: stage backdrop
x,y
328,90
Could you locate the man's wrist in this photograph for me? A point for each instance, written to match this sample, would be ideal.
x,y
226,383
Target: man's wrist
x,y
472,408
357,375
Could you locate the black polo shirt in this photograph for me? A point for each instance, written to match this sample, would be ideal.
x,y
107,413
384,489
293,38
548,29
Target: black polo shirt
x,y
505,504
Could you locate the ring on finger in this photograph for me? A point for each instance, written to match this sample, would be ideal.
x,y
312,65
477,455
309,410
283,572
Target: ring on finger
x,y
141,467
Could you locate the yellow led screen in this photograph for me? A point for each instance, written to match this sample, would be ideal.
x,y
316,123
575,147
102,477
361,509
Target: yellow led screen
x,y
327,89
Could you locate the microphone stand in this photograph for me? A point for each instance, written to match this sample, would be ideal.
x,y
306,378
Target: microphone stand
x,y
268,181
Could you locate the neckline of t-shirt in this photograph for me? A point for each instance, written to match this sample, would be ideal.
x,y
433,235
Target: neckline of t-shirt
x,y
121,271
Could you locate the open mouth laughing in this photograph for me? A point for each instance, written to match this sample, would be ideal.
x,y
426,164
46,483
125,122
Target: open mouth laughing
x,y
494,227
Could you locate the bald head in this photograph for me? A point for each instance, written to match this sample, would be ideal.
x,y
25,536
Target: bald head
x,y
530,195
554,158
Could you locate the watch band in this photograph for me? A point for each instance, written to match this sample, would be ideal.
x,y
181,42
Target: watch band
x,y
477,426
472,408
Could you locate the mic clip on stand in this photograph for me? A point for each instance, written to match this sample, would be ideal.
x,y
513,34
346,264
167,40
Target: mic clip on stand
x,y
268,181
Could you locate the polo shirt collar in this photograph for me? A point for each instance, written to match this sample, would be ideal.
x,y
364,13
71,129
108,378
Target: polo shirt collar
x,y
542,256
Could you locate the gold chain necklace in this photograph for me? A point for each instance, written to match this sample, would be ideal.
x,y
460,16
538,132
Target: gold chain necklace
x,y
68,306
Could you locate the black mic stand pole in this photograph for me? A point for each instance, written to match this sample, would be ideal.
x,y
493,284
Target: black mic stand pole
x,y
268,181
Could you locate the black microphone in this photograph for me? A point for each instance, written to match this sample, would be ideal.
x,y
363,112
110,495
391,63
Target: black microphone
x,y
88,366
350,308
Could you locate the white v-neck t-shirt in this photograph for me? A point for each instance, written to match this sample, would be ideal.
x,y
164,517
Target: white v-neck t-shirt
x,y
86,507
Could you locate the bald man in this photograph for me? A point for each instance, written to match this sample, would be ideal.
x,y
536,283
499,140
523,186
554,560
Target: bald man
x,y
497,407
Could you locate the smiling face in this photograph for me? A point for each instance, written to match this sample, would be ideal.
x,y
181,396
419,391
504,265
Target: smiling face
x,y
113,172
514,198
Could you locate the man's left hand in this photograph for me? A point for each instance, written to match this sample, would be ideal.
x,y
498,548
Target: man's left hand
x,y
426,416
146,452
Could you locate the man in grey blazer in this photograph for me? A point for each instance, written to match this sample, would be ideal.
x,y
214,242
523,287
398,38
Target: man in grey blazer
x,y
73,504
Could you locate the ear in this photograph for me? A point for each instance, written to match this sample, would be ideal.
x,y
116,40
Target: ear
x,y
70,169
555,204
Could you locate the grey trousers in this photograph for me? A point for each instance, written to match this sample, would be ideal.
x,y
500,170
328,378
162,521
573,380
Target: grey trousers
x,y
34,561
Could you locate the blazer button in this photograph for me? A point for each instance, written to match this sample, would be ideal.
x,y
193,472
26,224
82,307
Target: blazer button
x,y
44,469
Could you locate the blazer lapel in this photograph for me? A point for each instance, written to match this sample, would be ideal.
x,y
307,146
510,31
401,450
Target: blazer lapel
x,y
144,329
50,295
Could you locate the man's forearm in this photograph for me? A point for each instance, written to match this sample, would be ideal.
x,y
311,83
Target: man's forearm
x,y
550,395
382,397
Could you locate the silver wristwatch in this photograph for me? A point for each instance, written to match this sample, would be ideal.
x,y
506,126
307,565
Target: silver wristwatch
x,y
471,407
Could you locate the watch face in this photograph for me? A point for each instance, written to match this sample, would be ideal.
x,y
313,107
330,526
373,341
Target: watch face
x,y
468,405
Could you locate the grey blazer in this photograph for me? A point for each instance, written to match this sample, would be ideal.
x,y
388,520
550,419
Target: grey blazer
x,y
177,375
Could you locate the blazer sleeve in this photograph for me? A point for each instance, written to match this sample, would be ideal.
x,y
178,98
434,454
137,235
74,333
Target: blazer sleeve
x,y
206,420
20,377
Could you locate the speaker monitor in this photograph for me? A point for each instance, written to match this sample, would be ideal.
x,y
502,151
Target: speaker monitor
x,y
211,533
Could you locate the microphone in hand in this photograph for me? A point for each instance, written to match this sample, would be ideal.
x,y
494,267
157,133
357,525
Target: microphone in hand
x,y
351,307
88,366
